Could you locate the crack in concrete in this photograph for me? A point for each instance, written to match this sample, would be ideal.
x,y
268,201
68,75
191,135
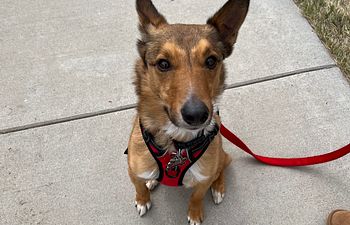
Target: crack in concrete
x,y
131,106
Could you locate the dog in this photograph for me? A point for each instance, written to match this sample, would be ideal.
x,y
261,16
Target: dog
x,y
180,76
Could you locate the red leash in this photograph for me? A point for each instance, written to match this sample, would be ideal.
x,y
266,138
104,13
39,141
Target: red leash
x,y
312,160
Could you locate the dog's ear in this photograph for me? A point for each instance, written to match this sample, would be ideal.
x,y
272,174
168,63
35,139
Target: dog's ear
x,y
149,18
228,20
148,15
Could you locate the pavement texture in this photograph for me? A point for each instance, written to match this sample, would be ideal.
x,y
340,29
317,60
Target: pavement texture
x,y
66,109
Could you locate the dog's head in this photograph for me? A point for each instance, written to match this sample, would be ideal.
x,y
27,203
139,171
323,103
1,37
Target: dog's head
x,y
181,73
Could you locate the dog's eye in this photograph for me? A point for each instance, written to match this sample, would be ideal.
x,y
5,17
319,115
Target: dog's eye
x,y
211,62
163,65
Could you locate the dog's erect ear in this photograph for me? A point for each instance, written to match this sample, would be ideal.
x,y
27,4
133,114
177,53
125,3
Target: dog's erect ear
x,y
228,20
148,15
149,18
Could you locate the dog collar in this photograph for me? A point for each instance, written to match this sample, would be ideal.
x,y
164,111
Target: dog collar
x,y
173,166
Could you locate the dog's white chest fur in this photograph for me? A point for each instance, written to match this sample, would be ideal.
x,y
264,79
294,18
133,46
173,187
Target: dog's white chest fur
x,y
192,176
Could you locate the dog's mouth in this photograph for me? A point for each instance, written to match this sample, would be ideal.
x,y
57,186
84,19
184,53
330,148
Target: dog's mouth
x,y
196,127
182,124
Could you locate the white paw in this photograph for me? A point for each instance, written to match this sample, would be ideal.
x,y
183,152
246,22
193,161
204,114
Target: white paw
x,y
142,209
151,184
217,196
193,222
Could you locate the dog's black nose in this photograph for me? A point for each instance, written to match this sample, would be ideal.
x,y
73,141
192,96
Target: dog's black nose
x,y
194,112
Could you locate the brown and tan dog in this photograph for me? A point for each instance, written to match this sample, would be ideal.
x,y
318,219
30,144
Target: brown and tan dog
x,y
179,78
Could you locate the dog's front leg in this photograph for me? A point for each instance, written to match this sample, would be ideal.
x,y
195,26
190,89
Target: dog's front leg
x,y
195,208
143,196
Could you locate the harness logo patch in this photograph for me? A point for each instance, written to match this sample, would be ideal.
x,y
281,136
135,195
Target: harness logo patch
x,y
178,159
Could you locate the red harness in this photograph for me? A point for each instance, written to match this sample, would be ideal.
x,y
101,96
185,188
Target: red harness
x,y
173,166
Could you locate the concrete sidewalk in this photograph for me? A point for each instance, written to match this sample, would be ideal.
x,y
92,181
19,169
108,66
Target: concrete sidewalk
x,y
73,61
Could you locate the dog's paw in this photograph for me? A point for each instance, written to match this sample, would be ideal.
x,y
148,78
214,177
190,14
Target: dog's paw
x,y
217,196
195,216
193,221
143,209
151,184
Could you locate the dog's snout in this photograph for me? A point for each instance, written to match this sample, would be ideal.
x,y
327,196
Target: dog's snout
x,y
194,112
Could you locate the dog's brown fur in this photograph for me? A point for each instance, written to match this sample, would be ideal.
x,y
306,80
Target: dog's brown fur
x,y
162,94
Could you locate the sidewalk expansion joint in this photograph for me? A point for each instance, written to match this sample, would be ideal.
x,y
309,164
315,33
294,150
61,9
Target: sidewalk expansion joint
x,y
131,106
279,76
67,119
